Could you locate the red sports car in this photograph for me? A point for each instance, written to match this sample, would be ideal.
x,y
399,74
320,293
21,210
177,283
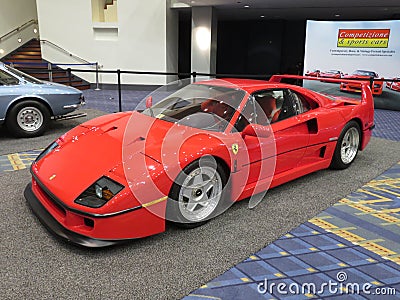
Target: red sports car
x,y
356,87
331,74
190,156
313,73
394,85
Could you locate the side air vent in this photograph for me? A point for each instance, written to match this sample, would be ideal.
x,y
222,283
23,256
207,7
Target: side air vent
x,y
322,152
312,126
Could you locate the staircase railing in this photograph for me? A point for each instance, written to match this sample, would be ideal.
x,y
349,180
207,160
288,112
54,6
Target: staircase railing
x,y
65,51
19,28
85,62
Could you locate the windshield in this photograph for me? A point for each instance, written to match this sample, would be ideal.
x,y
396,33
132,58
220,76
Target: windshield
x,y
208,107
22,75
364,73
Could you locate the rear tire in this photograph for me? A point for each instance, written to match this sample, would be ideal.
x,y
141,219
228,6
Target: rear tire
x,y
28,119
347,146
197,194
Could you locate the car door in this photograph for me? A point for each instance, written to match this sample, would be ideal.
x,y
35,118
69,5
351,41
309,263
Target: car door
x,y
258,161
290,129
291,134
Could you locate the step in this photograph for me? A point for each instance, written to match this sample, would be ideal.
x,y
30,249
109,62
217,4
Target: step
x,y
20,62
27,68
33,53
31,49
28,57
31,46
82,87
33,41
46,75
66,80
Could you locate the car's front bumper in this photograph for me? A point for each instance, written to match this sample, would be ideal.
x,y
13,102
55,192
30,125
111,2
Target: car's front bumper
x,y
56,228
356,88
76,105
88,229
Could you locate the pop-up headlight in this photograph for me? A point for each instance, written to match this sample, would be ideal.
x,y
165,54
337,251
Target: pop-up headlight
x,y
46,151
99,193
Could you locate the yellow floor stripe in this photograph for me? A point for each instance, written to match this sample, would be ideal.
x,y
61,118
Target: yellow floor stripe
x,y
347,235
16,162
322,223
371,194
386,191
205,297
386,217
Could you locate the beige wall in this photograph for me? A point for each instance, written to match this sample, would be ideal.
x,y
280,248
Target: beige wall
x,y
14,13
137,42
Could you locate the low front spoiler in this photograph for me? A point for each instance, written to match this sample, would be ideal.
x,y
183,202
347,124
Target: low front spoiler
x,y
56,228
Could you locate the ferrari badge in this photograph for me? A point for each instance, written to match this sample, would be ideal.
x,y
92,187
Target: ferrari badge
x,y
235,148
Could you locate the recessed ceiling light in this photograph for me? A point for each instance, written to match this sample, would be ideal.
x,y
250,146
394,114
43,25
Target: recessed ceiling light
x,y
2,51
19,40
246,6
262,16
337,15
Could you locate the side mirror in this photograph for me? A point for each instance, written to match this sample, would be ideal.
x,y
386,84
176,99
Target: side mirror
x,y
149,101
257,131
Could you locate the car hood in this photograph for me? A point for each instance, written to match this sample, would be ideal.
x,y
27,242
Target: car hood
x,y
61,86
103,147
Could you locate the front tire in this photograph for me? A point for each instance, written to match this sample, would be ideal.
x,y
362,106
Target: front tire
x,y
347,146
28,119
197,193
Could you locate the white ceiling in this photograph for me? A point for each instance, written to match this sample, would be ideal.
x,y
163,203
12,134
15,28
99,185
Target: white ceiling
x,y
301,9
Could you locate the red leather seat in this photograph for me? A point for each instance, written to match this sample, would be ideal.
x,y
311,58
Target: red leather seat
x,y
268,104
217,107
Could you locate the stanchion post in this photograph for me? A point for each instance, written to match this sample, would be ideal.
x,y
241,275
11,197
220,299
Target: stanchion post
x,y
119,91
97,77
50,72
69,76
194,74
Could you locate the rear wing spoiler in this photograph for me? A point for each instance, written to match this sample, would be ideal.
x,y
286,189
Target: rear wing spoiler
x,y
366,94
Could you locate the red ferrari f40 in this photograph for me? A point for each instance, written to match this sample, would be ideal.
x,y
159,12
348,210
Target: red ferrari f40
x,y
188,157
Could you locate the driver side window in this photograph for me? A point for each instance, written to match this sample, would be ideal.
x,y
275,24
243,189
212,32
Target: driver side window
x,y
293,104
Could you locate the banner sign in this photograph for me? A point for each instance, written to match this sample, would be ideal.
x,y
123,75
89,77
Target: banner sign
x,y
363,38
338,49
